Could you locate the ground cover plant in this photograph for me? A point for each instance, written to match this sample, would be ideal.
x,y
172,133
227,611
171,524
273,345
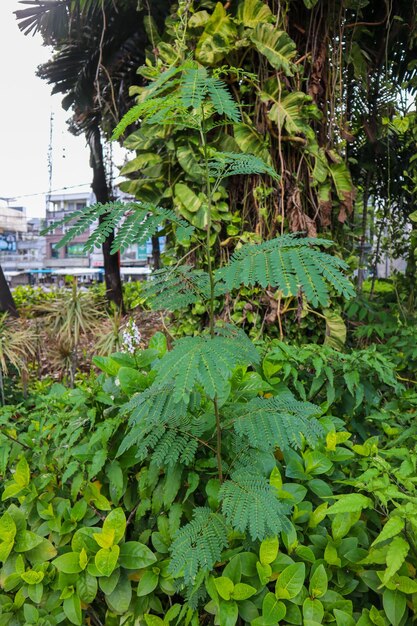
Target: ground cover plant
x,y
216,482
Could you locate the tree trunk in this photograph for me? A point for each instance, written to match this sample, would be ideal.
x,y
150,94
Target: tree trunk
x,y
156,253
101,191
7,304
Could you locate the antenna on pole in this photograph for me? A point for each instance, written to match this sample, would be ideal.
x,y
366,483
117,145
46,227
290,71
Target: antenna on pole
x,y
50,161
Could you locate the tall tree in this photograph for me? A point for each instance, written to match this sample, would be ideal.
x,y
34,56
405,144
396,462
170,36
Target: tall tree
x,y
97,48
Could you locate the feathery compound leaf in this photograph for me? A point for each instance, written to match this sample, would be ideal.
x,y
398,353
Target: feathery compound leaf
x,y
176,288
107,225
222,100
204,361
290,264
249,504
269,423
147,409
143,222
225,164
194,87
198,545
82,220
161,429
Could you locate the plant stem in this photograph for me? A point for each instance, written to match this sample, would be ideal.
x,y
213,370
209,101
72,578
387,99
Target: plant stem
x,y
211,301
208,228
219,440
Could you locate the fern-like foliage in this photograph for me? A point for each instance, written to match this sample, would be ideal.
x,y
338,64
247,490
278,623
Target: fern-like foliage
x,y
224,164
290,264
194,87
82,220
204,361
250,505
198,545
280,422
222,100
176,288
143,222
135,222
161,430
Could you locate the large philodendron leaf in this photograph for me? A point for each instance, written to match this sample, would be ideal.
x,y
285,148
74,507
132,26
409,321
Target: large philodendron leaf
x,y
287,113
276,45
251,142
217,37
250,13
344,188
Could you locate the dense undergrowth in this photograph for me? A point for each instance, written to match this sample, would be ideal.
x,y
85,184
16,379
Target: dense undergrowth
x,y
90,525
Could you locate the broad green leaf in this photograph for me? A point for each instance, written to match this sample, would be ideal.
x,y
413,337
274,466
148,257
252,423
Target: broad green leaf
x,y
242,591
109,583
198,19
290,581
217,38
7,528
395,605
276,45
224,587
186,196
68,563
131,381
252,12
31,577
72,610
228,613
406,585
31,613
313,610
86,586
343,618
22,473
153,620
397,552
106,560
11,491
147,583
105,538
286,112
273,610
27,540
318,582
35,592
250,141
331,555
268,550
336,330
392,528
350,503
135,555
115,475
316,463
119,599
83,559
116,522
5,548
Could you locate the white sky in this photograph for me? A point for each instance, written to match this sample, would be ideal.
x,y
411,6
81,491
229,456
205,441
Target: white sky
x,y
25,110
